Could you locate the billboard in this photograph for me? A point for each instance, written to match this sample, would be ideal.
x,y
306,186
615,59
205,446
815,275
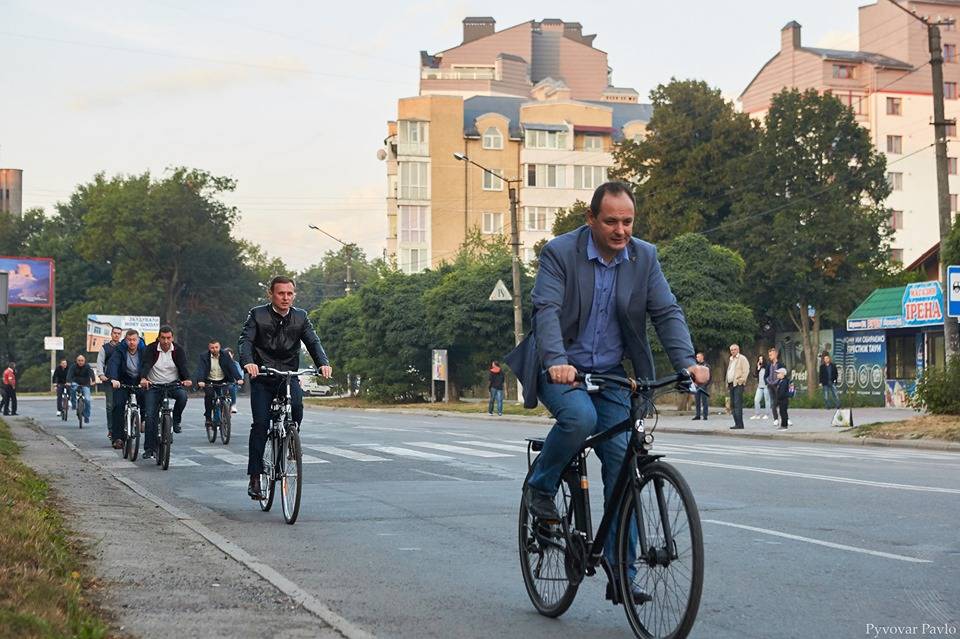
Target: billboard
x,y
30,280
861,359
99,327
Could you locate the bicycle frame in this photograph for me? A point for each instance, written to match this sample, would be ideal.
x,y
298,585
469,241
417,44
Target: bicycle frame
x,y
281,409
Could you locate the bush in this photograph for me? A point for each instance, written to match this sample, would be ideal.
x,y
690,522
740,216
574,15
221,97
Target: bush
x,y
35,378
937,389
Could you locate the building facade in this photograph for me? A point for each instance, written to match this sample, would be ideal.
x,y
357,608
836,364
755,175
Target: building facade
x,y
11,192
887,83
548,128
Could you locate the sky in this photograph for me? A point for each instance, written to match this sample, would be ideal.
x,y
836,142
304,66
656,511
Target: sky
x,y
292,98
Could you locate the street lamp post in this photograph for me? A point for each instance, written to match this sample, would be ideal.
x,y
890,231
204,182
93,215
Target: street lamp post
x,y
349,255
514,244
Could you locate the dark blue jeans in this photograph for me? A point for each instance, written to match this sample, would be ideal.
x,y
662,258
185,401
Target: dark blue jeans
x,y
152,410
262,390
580,414
829,390
703,404
496,397
118,427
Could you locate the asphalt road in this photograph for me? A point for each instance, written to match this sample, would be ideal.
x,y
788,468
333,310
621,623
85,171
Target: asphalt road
x,y
408,527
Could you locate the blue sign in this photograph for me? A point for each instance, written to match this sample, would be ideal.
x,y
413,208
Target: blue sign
x,y
861,360
923,304
953,295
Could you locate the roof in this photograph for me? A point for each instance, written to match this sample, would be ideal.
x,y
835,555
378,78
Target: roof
x,y
858,56
883,302
623,112
931,253
510,56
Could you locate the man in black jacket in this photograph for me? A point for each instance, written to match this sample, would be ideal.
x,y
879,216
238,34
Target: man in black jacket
x,y
828,380
215,367
271,337
59,381
163,362
81,378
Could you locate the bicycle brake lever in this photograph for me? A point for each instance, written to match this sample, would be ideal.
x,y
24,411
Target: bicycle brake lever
x,y
589,385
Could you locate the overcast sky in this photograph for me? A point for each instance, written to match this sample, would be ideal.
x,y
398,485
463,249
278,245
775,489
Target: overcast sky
x,y
292,98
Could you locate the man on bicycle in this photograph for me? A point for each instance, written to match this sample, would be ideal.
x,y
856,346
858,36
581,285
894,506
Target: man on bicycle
x,y
123,367
594,290
59,380
80,376
215,367
163,362
101,370
271,337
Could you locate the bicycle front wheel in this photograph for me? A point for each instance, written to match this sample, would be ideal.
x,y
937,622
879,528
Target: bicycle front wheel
x,y
666,561
268,475
543,558
166,437
133,435
64,407
225,423
80,402
291,481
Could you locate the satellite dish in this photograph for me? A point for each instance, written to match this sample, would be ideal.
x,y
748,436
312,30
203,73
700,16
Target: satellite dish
x,y
381,154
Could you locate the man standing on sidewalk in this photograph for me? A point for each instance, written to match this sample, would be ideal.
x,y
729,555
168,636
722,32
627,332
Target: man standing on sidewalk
x,y
828,380
101,370
496,389
9,403
738,370
703,401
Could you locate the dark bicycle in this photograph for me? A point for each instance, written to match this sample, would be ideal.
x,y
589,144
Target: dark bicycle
x,y
132,423
659,543
219,414
81,403
282,457
63,401
165,423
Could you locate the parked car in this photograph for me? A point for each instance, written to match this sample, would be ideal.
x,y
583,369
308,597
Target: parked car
x,y
312,387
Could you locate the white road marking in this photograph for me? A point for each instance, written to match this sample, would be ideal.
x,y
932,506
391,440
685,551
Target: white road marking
x,y
224,455
820,542
399,430
310,459
457,449
343,452
440,475
406,452
495,446
842,480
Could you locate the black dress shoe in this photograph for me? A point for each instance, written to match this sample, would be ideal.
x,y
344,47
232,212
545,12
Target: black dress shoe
x,y
541,505
639,596
176,428
253,490
695,418
736,428
148,454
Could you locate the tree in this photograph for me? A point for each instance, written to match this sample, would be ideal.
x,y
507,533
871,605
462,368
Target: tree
x,y
327,278
813,231
690,169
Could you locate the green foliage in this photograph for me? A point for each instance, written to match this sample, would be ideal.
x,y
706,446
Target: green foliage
x,y
936,390
708,282
327,278
35,378
691,164
950,251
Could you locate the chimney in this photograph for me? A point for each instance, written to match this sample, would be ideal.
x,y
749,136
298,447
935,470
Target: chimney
x,y
476,28
790,36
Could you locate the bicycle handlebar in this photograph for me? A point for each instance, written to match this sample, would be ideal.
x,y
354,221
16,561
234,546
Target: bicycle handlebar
x,y
264,370
681,379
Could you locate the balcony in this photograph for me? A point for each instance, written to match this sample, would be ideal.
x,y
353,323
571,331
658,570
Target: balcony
x,y
459,73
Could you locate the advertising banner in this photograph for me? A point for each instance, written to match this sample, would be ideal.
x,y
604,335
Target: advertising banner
x,y
861,360
923,304
30,280
99,327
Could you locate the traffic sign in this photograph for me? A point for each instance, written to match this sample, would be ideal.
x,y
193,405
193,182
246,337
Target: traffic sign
x,y
500,293
53,343
953,292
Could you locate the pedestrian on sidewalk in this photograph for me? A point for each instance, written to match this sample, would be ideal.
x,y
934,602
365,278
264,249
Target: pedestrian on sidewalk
x,y
496,389
738,371
783,397
763,392
828,381
9,403
702,400
770,376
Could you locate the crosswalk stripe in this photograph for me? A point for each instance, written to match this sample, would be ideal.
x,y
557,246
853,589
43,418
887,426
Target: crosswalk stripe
x,y
343,452
310,459
495,446
407,452
224,455
457,449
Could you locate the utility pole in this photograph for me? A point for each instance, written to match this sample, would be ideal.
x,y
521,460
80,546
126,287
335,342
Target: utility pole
x,y
950,331
348,256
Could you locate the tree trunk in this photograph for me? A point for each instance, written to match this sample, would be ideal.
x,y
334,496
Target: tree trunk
x,y
810,336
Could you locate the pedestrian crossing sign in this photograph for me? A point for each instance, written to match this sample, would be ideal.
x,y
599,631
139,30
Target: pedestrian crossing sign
x,y
500,293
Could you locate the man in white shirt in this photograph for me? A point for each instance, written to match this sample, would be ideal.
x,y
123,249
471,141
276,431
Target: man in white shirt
x,y
163,362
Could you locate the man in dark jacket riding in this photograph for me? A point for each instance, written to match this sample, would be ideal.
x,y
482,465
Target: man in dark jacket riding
x,y
215,367
271,337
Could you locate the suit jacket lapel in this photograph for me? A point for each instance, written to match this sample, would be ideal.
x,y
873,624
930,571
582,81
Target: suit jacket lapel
x,y
585,281
626,276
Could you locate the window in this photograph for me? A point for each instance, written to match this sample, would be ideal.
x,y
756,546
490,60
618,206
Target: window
x,y
492,138
413,260
589,177
894,106
843,71
896,255
412,138
546,175
952,166
413,223
593,143
950,53
855,102
901,355
896,220
490,180
951,130
493,223
895,180
545,139
413,181
538,217
949,90
894,144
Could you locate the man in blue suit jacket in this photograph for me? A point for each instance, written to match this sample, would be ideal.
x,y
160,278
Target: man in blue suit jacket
x,y
594,290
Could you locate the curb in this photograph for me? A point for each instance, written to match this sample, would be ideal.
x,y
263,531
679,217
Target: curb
x,y
289,588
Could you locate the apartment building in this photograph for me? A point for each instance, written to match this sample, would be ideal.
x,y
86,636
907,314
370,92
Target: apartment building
x,y
887,83
548,128
11,191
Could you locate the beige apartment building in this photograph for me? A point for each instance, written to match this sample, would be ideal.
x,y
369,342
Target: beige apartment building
x,y
11,192
887,83
532,103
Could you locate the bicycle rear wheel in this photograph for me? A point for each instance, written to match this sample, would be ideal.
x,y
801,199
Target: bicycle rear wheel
x,y
64,406
211,425
291,480
669,571
166,437
225,423
133,435
80,409
543,558
267,481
